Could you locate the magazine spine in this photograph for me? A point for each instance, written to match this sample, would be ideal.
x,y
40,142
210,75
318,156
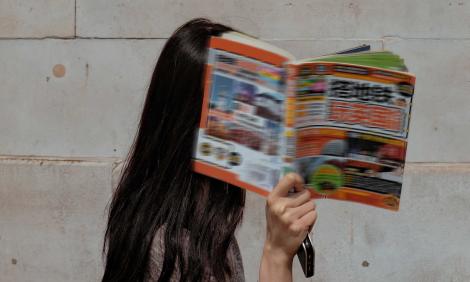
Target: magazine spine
x,y
289,120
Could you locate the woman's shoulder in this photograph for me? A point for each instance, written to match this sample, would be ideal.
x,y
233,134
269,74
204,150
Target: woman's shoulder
x,y
157,254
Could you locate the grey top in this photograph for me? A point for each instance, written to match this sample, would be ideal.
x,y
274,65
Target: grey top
x,y
157,255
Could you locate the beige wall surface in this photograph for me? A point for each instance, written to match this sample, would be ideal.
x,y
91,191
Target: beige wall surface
x,y
73,76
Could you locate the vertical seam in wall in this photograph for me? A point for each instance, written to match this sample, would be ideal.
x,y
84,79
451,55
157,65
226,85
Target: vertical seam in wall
x,y
75,20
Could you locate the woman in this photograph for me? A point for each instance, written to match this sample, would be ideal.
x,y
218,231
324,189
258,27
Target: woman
x,y
167,223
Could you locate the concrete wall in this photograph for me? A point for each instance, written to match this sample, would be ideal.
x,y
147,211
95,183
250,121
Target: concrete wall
x,y
73,76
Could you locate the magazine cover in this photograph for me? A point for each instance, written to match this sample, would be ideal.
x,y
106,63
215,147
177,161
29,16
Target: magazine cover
x,y
241,129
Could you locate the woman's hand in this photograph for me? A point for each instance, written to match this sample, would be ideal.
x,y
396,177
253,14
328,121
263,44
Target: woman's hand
x,y
289,219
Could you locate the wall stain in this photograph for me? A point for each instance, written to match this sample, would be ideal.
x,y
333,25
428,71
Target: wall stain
x,y
356,9
58,70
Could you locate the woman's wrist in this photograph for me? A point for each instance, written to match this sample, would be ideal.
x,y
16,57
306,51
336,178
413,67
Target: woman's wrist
x,y
276,265
277,256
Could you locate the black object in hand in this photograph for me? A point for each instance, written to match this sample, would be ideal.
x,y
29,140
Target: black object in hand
x,y
306,255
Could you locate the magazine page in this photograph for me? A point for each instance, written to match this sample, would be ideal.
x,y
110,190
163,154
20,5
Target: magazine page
x,y
352,127
239,139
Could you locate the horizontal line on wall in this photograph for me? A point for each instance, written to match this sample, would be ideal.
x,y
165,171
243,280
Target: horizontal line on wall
x,y
267,39
82,38
117,159
58,159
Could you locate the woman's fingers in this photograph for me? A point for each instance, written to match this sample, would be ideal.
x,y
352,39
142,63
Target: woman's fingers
x,y
291,180
298,199
279,200
300,211
288,216
305,221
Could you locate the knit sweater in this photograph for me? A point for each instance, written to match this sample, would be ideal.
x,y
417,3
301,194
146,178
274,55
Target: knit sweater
x,y
157,255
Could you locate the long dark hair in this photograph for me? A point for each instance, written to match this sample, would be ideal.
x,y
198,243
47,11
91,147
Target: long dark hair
x,y
158,187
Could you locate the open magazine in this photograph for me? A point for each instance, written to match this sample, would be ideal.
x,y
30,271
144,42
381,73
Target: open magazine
x,y
341,120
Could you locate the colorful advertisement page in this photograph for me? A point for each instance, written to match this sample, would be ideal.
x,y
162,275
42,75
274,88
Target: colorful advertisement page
x,y
351,133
